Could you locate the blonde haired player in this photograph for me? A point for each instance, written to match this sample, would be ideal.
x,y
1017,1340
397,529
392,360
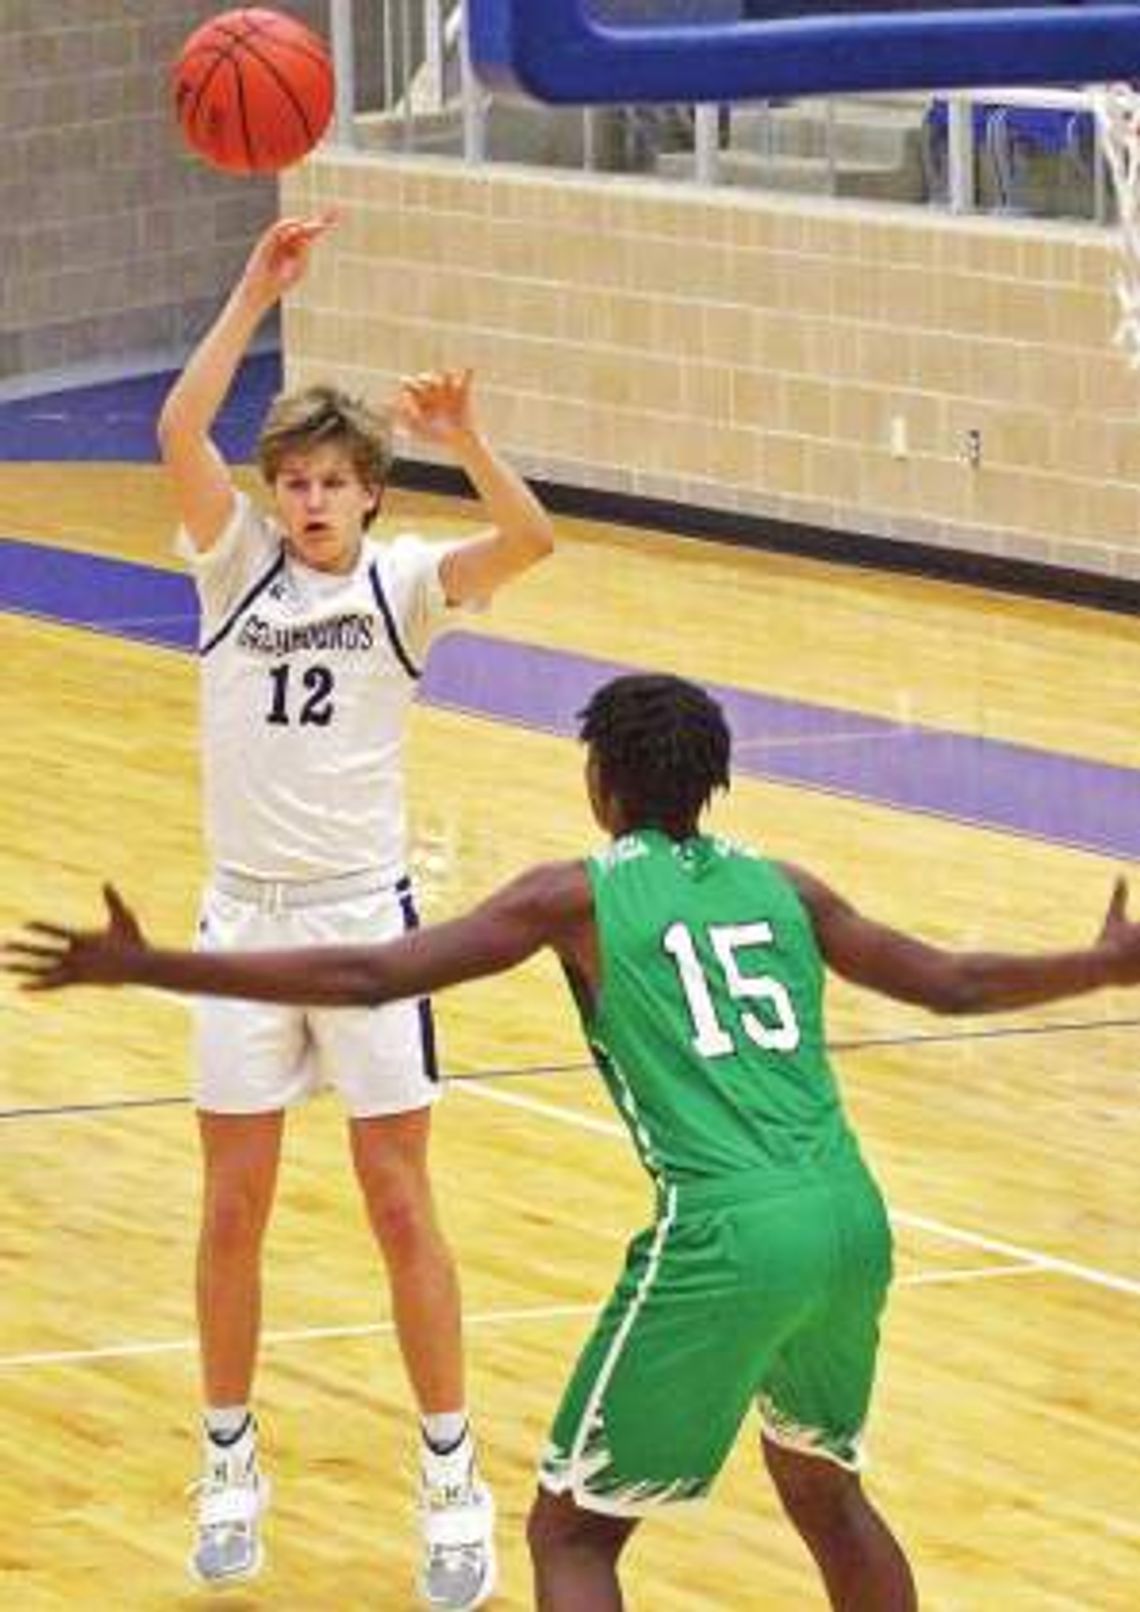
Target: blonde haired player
x,y
312,640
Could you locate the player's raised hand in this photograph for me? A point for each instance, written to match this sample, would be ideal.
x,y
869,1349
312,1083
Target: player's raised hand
x,y
280,258
436,406
49,956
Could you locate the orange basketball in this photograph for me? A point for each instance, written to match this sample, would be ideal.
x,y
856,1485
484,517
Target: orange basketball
x,y
253,90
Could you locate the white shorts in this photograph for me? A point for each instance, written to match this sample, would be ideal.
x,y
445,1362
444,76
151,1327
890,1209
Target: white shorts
x,y
257,1057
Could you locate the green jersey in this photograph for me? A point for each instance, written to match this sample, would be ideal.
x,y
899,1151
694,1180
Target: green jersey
x,y
708,1028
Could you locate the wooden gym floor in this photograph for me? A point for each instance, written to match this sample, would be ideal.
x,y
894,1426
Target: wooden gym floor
x,y
960,763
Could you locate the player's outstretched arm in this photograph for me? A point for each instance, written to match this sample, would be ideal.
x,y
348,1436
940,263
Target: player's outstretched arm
x,y
437,408
201,478
544,907
899,965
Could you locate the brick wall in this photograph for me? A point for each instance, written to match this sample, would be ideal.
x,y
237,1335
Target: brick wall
x,y
749,352
115,244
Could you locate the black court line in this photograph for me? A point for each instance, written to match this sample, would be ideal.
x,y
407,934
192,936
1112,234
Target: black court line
x,y
1003,1032
110,1105
114,1105
917,1038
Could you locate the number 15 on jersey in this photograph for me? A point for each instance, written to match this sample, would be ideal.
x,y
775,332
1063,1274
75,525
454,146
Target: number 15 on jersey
x,y
775,1031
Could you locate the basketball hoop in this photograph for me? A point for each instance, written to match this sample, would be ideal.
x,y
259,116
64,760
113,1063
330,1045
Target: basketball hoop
x,y
1117,109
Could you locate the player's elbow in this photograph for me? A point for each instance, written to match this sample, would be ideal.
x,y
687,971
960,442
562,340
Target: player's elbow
x,y
535,540
368,989
180,420
950,1004
958,989
170,426
355,982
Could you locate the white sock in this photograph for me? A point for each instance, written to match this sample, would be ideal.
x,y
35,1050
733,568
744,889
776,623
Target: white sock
x,y
444,1431
225,1424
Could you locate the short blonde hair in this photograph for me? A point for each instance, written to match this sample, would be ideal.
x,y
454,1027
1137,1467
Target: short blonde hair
x,y
317,416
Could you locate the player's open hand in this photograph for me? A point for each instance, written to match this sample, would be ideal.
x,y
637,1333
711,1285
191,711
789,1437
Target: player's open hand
x,y
436,406
1120,937
280,259
49,956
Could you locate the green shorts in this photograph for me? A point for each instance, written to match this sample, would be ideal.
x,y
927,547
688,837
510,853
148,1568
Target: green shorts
x,y
737,1294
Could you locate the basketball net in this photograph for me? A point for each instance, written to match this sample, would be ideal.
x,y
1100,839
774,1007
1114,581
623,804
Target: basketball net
x,y
1117,109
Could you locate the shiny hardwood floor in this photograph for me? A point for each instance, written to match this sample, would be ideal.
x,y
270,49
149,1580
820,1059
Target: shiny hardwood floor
x,y
1005,1444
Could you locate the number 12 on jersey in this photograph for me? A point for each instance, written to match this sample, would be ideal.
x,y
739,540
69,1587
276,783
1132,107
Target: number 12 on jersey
x,y
777,1032
312,708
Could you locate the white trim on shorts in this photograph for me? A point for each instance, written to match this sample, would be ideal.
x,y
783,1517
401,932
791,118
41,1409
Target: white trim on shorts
x,y
801,1439
572,1475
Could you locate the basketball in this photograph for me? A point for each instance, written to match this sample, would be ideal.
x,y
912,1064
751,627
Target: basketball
x,y
253,90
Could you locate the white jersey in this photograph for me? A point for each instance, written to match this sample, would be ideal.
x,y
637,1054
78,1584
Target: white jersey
x,y
307,678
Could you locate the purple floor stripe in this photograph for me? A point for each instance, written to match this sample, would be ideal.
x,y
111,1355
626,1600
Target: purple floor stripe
x,y
87,590
987,782
115,420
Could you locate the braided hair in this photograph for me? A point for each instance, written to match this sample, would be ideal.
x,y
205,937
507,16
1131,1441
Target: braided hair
x,y
661,745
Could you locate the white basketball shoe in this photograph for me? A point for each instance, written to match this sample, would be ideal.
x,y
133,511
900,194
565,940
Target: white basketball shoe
x,y
232,1496
457,1515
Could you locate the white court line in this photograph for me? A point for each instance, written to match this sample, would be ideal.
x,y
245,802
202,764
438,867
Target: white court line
x,y
973,1273
814,741
369,1329
374,1329
1028,1262
1091,1274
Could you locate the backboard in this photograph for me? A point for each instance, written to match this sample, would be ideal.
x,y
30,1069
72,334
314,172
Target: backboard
x,y
581,51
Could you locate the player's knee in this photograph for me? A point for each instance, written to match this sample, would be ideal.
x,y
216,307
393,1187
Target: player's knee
x,y
821,1497
400,1213
544,1528
234,1217
556,1526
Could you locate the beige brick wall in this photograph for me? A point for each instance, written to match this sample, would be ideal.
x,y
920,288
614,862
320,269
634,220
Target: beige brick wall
x,y
115,244
748,352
